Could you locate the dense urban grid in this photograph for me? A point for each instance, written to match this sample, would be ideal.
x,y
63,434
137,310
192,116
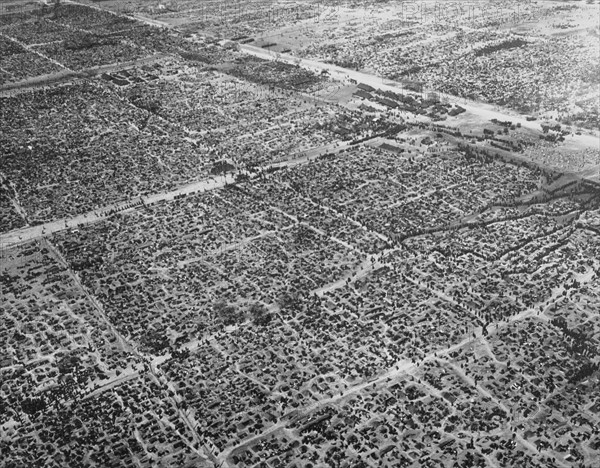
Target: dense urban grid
x,y
299,234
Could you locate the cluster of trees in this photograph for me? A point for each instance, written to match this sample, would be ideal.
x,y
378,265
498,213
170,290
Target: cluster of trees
x,y
507,124
86,263
181,354
151,105
577,340
226,313
229,314
222,167
260,315
155,341
290,300
509,44
83,40
33,405
456,111
196,57
584,371
67,364
547,128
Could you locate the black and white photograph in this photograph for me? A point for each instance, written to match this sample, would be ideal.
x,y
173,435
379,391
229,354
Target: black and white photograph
x,y
299,234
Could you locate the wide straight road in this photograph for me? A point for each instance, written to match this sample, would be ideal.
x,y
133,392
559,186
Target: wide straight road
x,y
29,233
482,110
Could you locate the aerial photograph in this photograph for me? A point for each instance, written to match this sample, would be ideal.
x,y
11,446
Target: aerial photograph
x,y
300,233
